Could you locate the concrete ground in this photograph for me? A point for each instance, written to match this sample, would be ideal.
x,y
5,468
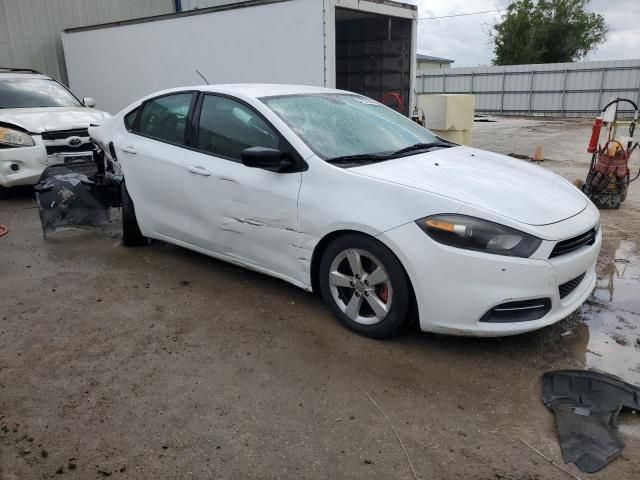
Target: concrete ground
x,y
160,363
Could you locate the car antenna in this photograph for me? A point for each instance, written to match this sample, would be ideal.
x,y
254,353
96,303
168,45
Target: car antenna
x,y
203,77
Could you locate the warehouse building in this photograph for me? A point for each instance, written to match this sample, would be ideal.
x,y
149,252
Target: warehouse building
x,y
427,62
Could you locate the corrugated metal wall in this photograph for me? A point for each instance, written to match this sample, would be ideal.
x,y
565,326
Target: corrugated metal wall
x,y
194,4
566,89
30,29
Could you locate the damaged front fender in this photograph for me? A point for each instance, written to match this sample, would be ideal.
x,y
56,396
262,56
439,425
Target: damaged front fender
x,y
78,194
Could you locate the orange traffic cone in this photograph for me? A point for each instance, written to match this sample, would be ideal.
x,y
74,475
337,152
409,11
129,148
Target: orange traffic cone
x,y
537,155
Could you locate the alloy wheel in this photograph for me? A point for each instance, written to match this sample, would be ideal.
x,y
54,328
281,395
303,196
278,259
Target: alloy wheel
x,y
360,285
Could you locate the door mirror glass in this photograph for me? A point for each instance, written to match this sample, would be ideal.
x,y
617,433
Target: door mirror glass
x,y
89,102
269,159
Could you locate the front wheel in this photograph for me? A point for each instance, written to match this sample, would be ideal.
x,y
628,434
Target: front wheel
x,y
365,286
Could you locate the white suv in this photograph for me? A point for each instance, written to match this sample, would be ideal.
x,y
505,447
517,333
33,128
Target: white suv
x,y
41,123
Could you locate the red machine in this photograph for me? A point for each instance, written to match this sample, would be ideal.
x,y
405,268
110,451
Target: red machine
x,y
393,100
609,175
595,135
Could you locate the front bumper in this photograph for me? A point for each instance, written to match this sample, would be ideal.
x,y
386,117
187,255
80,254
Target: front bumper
x,y
24,165
455,288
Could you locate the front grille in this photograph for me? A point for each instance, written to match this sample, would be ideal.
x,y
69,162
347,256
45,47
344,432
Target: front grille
x,y
77,132
67,141
568,287
571,244
85,147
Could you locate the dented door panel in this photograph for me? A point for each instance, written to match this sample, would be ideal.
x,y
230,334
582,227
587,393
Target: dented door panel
x,y
244,213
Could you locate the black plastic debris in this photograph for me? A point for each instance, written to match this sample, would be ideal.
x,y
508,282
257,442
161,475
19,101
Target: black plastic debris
x,y
586,405
68,198
68,195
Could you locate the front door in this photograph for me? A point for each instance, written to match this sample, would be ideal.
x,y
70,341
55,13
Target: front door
x,y
243,213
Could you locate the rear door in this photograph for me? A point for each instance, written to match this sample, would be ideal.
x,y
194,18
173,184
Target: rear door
x,y
152,155
244,213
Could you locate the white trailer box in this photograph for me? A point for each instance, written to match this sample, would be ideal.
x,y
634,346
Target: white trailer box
x,y
365,46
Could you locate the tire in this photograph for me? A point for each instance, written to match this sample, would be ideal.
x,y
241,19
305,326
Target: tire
x,y
375,306
131,234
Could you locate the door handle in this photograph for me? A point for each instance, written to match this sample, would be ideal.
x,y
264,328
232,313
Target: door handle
x,y
198,170
129,150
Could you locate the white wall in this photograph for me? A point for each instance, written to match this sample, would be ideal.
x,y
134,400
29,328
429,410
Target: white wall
x,y
275,43
424,65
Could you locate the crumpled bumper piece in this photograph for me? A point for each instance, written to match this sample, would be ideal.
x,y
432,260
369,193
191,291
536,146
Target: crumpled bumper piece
x,y
67,196
586,405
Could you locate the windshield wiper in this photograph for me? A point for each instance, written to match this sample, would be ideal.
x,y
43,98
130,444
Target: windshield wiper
x,y
359,158
372,157
422,146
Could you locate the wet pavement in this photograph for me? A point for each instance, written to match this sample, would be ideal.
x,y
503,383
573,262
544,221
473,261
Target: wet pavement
x,y
609,338
160,363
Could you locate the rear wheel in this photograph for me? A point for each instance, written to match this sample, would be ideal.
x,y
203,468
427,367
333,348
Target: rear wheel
x,y
365,286
131,234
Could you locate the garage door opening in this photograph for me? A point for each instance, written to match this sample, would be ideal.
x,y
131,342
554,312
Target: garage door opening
x,y
373,57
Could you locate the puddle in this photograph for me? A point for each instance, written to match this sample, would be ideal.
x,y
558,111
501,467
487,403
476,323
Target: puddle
x,y
607,341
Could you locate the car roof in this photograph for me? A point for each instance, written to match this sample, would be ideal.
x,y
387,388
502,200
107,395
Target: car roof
x,y
258,90
251,90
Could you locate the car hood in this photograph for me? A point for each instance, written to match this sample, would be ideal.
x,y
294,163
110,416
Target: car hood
x,y
505,186
38,120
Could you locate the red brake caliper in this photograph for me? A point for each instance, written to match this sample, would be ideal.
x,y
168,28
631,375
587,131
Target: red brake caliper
x,y
382,291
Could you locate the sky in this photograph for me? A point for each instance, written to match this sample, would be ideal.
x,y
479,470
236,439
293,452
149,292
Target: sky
x,y
466,40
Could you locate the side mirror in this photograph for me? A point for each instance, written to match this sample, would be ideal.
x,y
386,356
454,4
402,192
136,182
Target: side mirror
x,y
267,159
89,102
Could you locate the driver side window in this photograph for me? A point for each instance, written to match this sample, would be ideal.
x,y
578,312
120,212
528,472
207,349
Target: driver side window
x,y
227,127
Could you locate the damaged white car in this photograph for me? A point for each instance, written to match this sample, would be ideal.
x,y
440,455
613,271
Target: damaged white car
x,y
336,193
41,123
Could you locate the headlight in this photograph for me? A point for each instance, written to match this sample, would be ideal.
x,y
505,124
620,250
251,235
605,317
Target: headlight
x,y
15,138
476,234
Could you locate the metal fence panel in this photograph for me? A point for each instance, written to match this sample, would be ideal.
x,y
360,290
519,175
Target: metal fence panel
x,y
566,89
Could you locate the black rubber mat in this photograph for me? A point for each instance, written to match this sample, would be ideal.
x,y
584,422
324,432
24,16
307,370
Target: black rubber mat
x,y
586,405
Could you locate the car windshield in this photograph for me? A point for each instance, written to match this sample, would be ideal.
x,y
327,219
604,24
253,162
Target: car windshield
x,y
34,92
336,125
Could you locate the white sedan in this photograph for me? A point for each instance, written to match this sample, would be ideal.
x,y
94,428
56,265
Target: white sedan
x,y
338,194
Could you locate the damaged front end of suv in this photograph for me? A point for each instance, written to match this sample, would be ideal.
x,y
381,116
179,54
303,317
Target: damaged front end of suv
x,y
79,194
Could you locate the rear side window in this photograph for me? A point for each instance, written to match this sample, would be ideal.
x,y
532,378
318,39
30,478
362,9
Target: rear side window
x,y
165,118
227,127
130,119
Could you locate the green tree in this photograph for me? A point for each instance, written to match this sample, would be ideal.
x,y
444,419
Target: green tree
x,y
547,31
